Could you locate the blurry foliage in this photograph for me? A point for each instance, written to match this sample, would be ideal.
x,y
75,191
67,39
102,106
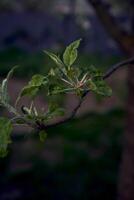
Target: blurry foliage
x,y
87,168
22,5
65,78
30,63
85,172
121,4
90,149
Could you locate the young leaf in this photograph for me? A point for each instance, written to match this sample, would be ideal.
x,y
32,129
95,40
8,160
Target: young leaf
x,y
94,72
5,131
29,91
102,88
10,73
73,73
55,89
55,110
4,92
55,73
91,85
33,86
71,53
97,84
55,58
37,80
52,72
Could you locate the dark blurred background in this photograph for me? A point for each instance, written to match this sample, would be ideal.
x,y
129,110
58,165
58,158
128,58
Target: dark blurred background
x,y
81,159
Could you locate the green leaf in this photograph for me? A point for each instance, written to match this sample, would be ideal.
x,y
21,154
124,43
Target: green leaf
x,y
55,58
55,74
55,89
30,91
79,92
4,87
37,80
97,84
53,111
42,135
94,72
71,53
33,86
10,73
102,88
52,72
5,131
91,85
73,73
52,107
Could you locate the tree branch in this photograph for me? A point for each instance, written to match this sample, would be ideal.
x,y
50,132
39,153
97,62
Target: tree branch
x,y
115,67
39,126
111,26
105,76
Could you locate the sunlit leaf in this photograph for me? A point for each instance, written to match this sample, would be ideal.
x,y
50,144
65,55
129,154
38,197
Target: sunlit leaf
x,y
37,80
71,53
30,91
55,58
33,86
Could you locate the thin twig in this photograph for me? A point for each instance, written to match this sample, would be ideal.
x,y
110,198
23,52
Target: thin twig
x,y
112,69
106,75
24,121
39,126
72,115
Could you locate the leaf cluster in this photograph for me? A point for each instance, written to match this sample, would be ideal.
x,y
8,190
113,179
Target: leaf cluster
x,y
65,78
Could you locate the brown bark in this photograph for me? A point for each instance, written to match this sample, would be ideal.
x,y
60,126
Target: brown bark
x,y
126,43
109,22
126,179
